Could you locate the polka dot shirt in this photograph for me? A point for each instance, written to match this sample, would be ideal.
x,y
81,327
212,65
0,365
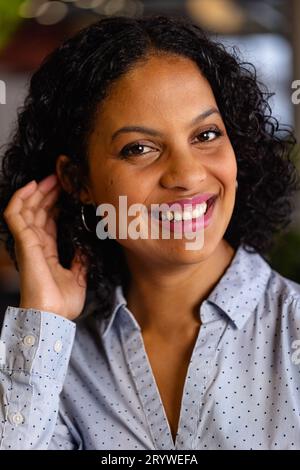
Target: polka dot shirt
x,y
88,384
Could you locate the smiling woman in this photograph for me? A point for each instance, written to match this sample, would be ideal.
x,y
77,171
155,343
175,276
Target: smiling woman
x,y
169,341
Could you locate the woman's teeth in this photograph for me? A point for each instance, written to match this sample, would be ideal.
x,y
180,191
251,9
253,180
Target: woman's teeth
x,y
185,214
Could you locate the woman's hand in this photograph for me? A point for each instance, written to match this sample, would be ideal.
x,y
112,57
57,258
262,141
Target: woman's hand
x,y
44,283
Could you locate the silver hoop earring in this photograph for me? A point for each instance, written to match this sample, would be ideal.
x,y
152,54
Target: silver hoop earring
x,y
83,220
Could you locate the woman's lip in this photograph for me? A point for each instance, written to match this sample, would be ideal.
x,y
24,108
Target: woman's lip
x,y
193,224
210,202
192,201
211,197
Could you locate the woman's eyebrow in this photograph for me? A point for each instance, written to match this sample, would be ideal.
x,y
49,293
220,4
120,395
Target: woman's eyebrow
x,y
153,132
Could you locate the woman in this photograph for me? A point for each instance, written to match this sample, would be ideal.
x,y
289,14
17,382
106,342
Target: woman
x,y
175,348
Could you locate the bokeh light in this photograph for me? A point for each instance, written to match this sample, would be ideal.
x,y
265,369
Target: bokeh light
x,y
51,12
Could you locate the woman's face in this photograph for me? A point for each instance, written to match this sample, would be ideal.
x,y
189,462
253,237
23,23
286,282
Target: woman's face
x,y
178,157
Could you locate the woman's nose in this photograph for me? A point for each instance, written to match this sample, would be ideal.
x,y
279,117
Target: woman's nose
x,y
184,171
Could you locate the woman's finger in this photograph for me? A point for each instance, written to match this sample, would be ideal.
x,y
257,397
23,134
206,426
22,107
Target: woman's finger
x,y
30,194
40,218
42,190
18,198
50,199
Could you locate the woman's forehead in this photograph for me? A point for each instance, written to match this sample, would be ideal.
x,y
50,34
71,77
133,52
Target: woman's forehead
x,y
158,88
161,74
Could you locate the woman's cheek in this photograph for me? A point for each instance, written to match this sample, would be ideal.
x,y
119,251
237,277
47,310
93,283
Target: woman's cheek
x,y
229,171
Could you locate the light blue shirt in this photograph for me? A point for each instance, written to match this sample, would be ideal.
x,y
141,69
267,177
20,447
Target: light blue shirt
x,y
88,384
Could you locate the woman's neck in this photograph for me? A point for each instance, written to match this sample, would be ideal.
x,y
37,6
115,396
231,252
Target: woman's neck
x,y
167,303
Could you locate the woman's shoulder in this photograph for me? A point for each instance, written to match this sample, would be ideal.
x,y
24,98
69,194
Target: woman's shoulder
x,y
282,314
282,309
259,272
282,288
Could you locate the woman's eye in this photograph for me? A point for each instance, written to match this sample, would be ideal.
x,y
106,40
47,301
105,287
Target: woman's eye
x,y
137,149
133,150
209,135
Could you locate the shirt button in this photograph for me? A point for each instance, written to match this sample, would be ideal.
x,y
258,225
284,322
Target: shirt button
x,y
17,418
29,340
57,346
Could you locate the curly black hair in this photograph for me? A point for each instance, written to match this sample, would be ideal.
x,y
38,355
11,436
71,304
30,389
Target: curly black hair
x,y
59,113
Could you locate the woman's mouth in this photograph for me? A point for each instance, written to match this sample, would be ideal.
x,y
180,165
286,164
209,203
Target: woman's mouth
x,y
187,213
191,217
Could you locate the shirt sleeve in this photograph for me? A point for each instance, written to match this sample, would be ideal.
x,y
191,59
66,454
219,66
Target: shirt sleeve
x,y
35,349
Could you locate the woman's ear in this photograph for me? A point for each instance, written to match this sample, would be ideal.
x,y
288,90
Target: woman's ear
x,y
67,174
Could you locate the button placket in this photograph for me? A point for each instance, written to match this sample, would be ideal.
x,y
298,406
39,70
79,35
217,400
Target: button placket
x,y
198,376
210,349
143,377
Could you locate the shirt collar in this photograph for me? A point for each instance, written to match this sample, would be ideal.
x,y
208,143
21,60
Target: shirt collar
x,y
119,301
241,287
236,295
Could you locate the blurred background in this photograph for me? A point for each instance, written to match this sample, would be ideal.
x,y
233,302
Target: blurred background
x,y
266,32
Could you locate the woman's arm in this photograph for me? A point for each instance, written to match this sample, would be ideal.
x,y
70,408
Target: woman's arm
x,y
37,336
35,349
